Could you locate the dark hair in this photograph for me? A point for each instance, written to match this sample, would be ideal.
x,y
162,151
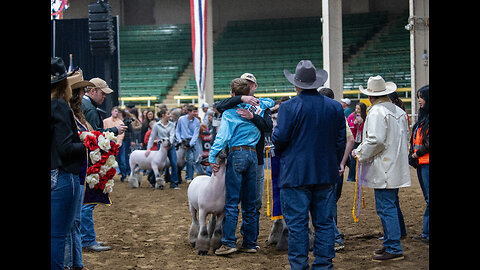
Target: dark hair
x,y
396,100
325,91
161,113
424,113
191,108
134,111
76,105
363,110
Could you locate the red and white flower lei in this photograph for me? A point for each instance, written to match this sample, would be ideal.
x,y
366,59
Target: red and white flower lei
x,y
102,152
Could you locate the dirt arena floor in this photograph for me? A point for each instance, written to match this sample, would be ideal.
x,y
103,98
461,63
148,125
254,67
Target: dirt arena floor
x,y
148,228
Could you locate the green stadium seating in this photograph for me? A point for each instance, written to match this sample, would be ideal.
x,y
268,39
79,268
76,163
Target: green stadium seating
x,y
267,47
387,54
152,57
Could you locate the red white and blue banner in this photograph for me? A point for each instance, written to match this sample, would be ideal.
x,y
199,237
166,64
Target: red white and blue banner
x,y
57,7
198,16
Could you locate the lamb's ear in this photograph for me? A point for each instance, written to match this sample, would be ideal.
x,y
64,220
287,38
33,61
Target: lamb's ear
x,y
222,154
221,157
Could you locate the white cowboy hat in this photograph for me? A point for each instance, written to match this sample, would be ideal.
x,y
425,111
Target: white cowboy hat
x,y
376,86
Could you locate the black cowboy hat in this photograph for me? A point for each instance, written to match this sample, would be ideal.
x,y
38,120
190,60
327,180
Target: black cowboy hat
x,y
58,70
306,76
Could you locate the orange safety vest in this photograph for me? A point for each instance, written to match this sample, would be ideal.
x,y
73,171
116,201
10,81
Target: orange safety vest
x,y
417,141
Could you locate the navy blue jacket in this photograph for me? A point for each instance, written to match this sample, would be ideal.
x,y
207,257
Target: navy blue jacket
x,y
310,139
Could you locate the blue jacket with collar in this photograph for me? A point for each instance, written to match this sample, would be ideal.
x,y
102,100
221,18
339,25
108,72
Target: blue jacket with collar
x,y
310,139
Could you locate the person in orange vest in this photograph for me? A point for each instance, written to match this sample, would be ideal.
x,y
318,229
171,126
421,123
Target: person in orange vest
x,y
420,146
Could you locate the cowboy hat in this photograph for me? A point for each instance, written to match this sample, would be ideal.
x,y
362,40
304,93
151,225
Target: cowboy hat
x,y
376,86
306,76
75,80
58,72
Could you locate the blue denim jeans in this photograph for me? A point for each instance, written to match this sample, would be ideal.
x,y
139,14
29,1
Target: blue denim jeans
x,y
123,159
73,241
240,187
191,163
87,228
386,201
423,173
258,202
296,203
64,190
172,156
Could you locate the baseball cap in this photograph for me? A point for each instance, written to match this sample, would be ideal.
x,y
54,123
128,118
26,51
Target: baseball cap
x,y
99,83
249,76
346,100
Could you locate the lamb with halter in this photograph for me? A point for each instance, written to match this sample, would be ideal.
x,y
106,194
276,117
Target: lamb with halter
x,y
156,161
206,195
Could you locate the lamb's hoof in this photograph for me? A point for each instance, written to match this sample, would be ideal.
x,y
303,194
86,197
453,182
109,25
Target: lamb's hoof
x,y
202,252
193,244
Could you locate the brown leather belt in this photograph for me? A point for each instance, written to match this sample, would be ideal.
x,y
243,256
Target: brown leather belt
x,y
242,147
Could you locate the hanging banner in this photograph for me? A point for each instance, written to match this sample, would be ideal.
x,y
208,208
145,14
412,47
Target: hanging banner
x,y
275,172
198,17
57,7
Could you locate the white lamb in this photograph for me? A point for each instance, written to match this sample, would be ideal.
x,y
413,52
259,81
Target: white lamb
x,y
156,161
206,194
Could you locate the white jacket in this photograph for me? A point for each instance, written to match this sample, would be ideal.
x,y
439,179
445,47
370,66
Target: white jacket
x,y
383,152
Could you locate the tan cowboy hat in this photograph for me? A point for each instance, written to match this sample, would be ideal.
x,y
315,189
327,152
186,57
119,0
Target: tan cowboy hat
x,y
75,80
376,86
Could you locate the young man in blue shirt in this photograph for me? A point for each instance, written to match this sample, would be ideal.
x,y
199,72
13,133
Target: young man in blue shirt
x,y
241,136
263,121
188,127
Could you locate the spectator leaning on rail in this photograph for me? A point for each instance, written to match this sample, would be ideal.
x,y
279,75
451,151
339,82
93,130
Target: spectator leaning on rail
x,y
310,139
384,155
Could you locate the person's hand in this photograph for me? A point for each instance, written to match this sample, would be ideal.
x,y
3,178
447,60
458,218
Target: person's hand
x,y
414,155
245,113
342,169
354,154
250,100
215,168
121,128
147,153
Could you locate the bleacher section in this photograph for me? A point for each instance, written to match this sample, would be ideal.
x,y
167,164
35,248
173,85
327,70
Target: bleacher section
x,y
266,47
387,54
152,57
